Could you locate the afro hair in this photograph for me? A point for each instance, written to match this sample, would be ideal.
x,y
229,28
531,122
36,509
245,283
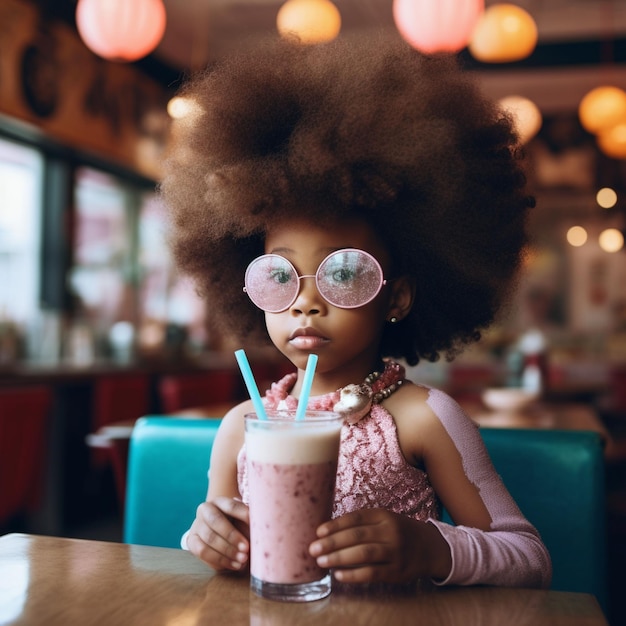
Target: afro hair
x,y
362,126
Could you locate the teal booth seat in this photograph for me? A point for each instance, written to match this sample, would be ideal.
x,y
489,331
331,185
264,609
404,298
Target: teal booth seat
x,y
556,477
168,461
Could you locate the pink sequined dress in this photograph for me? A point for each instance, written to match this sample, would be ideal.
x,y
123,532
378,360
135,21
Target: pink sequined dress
x,y
373,473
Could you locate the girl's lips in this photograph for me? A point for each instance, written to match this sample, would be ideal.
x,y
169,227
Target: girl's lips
x,y
306,339
307,342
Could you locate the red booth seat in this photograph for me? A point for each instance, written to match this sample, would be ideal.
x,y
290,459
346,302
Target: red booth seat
x,y
24,413
197,389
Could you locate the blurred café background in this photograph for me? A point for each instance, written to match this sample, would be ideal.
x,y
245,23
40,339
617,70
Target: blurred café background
x,y
97,328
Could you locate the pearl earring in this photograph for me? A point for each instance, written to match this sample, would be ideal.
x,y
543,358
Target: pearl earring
x,y
393,320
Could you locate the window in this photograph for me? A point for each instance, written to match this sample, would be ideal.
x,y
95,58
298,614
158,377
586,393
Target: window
x,y
122,276
21,171
101,276
109,272
167,301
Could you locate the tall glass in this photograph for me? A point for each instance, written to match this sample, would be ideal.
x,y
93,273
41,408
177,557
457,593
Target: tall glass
x,y
292,465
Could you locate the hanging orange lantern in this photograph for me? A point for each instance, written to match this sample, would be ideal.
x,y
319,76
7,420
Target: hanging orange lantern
x,y
504,33
309,21
612,141
442,26
121,30
602,108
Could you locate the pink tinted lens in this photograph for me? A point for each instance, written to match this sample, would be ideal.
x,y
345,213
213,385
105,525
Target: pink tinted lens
x,y
271,283
349,278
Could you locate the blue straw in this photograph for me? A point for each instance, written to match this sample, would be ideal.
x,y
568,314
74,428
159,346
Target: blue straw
x,y
306,386
248,378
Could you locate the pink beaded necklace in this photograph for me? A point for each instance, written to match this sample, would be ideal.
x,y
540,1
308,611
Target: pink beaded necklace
x,y
353,401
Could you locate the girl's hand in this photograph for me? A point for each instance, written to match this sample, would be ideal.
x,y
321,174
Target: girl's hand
x,y
375,545
219,534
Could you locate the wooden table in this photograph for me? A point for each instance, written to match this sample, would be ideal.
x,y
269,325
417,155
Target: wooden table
x,y
63,582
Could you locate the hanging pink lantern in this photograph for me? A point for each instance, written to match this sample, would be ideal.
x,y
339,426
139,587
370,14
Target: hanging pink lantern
x,y
121,30
441,26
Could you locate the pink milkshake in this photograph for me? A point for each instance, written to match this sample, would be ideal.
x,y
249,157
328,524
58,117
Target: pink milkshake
x,y
291,473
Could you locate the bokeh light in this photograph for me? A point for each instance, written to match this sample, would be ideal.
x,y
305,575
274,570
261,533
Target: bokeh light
x,y
180,107
606,198
526,115
611,240
576,236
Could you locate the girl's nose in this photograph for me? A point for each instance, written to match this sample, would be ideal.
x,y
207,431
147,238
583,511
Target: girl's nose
x,y
309,300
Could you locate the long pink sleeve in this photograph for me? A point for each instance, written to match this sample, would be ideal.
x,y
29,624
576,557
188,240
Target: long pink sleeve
x,y
511,554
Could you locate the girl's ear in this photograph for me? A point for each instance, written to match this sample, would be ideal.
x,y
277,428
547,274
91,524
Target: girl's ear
x,y
402,296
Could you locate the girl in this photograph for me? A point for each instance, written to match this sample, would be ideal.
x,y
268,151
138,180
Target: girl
x,y
371,203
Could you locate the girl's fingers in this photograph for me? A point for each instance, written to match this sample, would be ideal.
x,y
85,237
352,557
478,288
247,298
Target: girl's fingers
x,y
366,517
214,537
349,530
357,575
214,515
214,557
232,508
362,554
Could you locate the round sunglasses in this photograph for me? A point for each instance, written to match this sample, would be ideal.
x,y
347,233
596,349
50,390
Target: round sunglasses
x,y
348,278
